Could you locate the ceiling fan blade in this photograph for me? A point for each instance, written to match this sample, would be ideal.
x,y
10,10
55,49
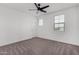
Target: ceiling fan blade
x,y
36,5
44,7
43,11
32,9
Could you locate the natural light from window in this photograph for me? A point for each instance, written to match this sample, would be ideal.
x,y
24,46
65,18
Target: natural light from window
x,y
40,22
59,23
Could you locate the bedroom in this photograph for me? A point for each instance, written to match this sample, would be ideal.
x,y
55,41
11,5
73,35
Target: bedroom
x,y
23,23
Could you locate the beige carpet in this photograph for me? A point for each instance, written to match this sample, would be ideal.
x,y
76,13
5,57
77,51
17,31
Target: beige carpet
x,y
39,46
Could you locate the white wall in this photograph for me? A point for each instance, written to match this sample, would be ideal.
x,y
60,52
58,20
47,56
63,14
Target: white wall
x,y
71,31
78,22
15,26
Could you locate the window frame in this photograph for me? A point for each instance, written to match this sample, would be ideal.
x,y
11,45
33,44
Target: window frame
x,y
59,24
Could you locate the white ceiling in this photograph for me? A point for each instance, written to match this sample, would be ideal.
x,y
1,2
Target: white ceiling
x,y
24,7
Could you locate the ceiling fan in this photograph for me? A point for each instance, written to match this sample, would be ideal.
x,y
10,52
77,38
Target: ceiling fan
x,y
39,8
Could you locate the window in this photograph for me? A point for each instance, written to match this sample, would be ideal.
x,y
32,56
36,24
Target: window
x,y
59,23
40,22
